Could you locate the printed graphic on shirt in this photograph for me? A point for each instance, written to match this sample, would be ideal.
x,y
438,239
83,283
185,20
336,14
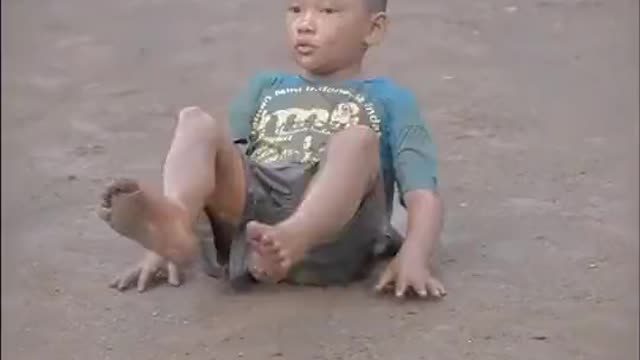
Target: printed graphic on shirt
x,y
295,124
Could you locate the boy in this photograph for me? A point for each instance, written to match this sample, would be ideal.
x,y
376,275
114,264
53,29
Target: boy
x,y
312,193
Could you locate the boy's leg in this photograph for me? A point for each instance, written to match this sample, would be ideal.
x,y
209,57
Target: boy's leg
x,y
202,169
349,173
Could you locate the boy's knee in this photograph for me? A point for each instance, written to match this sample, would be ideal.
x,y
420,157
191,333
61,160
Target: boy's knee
x,y
195,118
191,112
359,136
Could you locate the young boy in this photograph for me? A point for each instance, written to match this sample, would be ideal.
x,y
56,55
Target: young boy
x,y
312,193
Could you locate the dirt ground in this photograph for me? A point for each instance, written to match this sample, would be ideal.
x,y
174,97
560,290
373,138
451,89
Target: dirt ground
x,y
533,104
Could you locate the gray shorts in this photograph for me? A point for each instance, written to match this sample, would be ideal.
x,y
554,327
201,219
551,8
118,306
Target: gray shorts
x,y
273,193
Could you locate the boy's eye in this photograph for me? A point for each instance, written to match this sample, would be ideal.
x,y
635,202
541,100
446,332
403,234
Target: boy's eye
x,y
295,9
328,11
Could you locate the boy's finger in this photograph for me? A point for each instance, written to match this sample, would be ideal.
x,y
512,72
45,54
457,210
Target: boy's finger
x,y
385,279
116,283
401,287
128,279
436,288
174,275
434,291
143,279
421,289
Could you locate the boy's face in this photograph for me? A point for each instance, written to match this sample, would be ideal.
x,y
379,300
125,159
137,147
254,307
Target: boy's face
x,y
327,36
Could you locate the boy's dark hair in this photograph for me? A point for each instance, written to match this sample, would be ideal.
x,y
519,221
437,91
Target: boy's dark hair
x,y
377,5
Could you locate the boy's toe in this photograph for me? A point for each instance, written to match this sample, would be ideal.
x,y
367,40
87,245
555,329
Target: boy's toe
x,y
104,213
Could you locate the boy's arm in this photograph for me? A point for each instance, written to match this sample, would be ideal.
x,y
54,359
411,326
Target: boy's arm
x,y
412,268
424,223
415,167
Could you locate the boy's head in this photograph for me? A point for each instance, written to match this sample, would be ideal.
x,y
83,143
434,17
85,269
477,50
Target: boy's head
x,y
330,36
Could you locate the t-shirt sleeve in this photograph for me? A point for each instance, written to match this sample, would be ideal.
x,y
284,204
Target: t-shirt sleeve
x,y
412,150
245,106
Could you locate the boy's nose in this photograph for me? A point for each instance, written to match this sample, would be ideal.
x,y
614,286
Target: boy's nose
x,y
305,24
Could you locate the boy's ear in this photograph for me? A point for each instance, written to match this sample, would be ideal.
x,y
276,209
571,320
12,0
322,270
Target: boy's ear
x,y
379,23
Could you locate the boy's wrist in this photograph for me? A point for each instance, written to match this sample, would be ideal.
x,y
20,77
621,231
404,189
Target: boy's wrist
x,y
414,246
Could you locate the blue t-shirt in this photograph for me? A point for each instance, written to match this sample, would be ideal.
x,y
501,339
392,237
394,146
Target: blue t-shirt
x,y
287,118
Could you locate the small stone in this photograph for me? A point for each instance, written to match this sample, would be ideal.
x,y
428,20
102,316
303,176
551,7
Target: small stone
x,y
240,354
448,77
540,237
155,314
463,204
72,178
593,266
539,338
511,9
277,354
411,312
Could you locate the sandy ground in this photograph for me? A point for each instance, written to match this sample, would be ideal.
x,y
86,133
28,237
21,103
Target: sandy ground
x,y
534,105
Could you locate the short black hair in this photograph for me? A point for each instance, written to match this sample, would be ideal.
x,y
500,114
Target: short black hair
x,y
377,5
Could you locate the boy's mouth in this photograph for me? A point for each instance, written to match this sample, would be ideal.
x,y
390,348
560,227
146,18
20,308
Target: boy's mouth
x,y
304,48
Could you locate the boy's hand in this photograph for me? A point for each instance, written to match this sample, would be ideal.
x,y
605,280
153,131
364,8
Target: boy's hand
x,y
408,270
147,269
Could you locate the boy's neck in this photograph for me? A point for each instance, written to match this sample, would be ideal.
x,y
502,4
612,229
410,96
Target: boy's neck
x,y
353,72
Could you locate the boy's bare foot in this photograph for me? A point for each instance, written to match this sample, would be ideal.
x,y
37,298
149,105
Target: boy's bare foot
x,y
274,251
146,216
264,269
